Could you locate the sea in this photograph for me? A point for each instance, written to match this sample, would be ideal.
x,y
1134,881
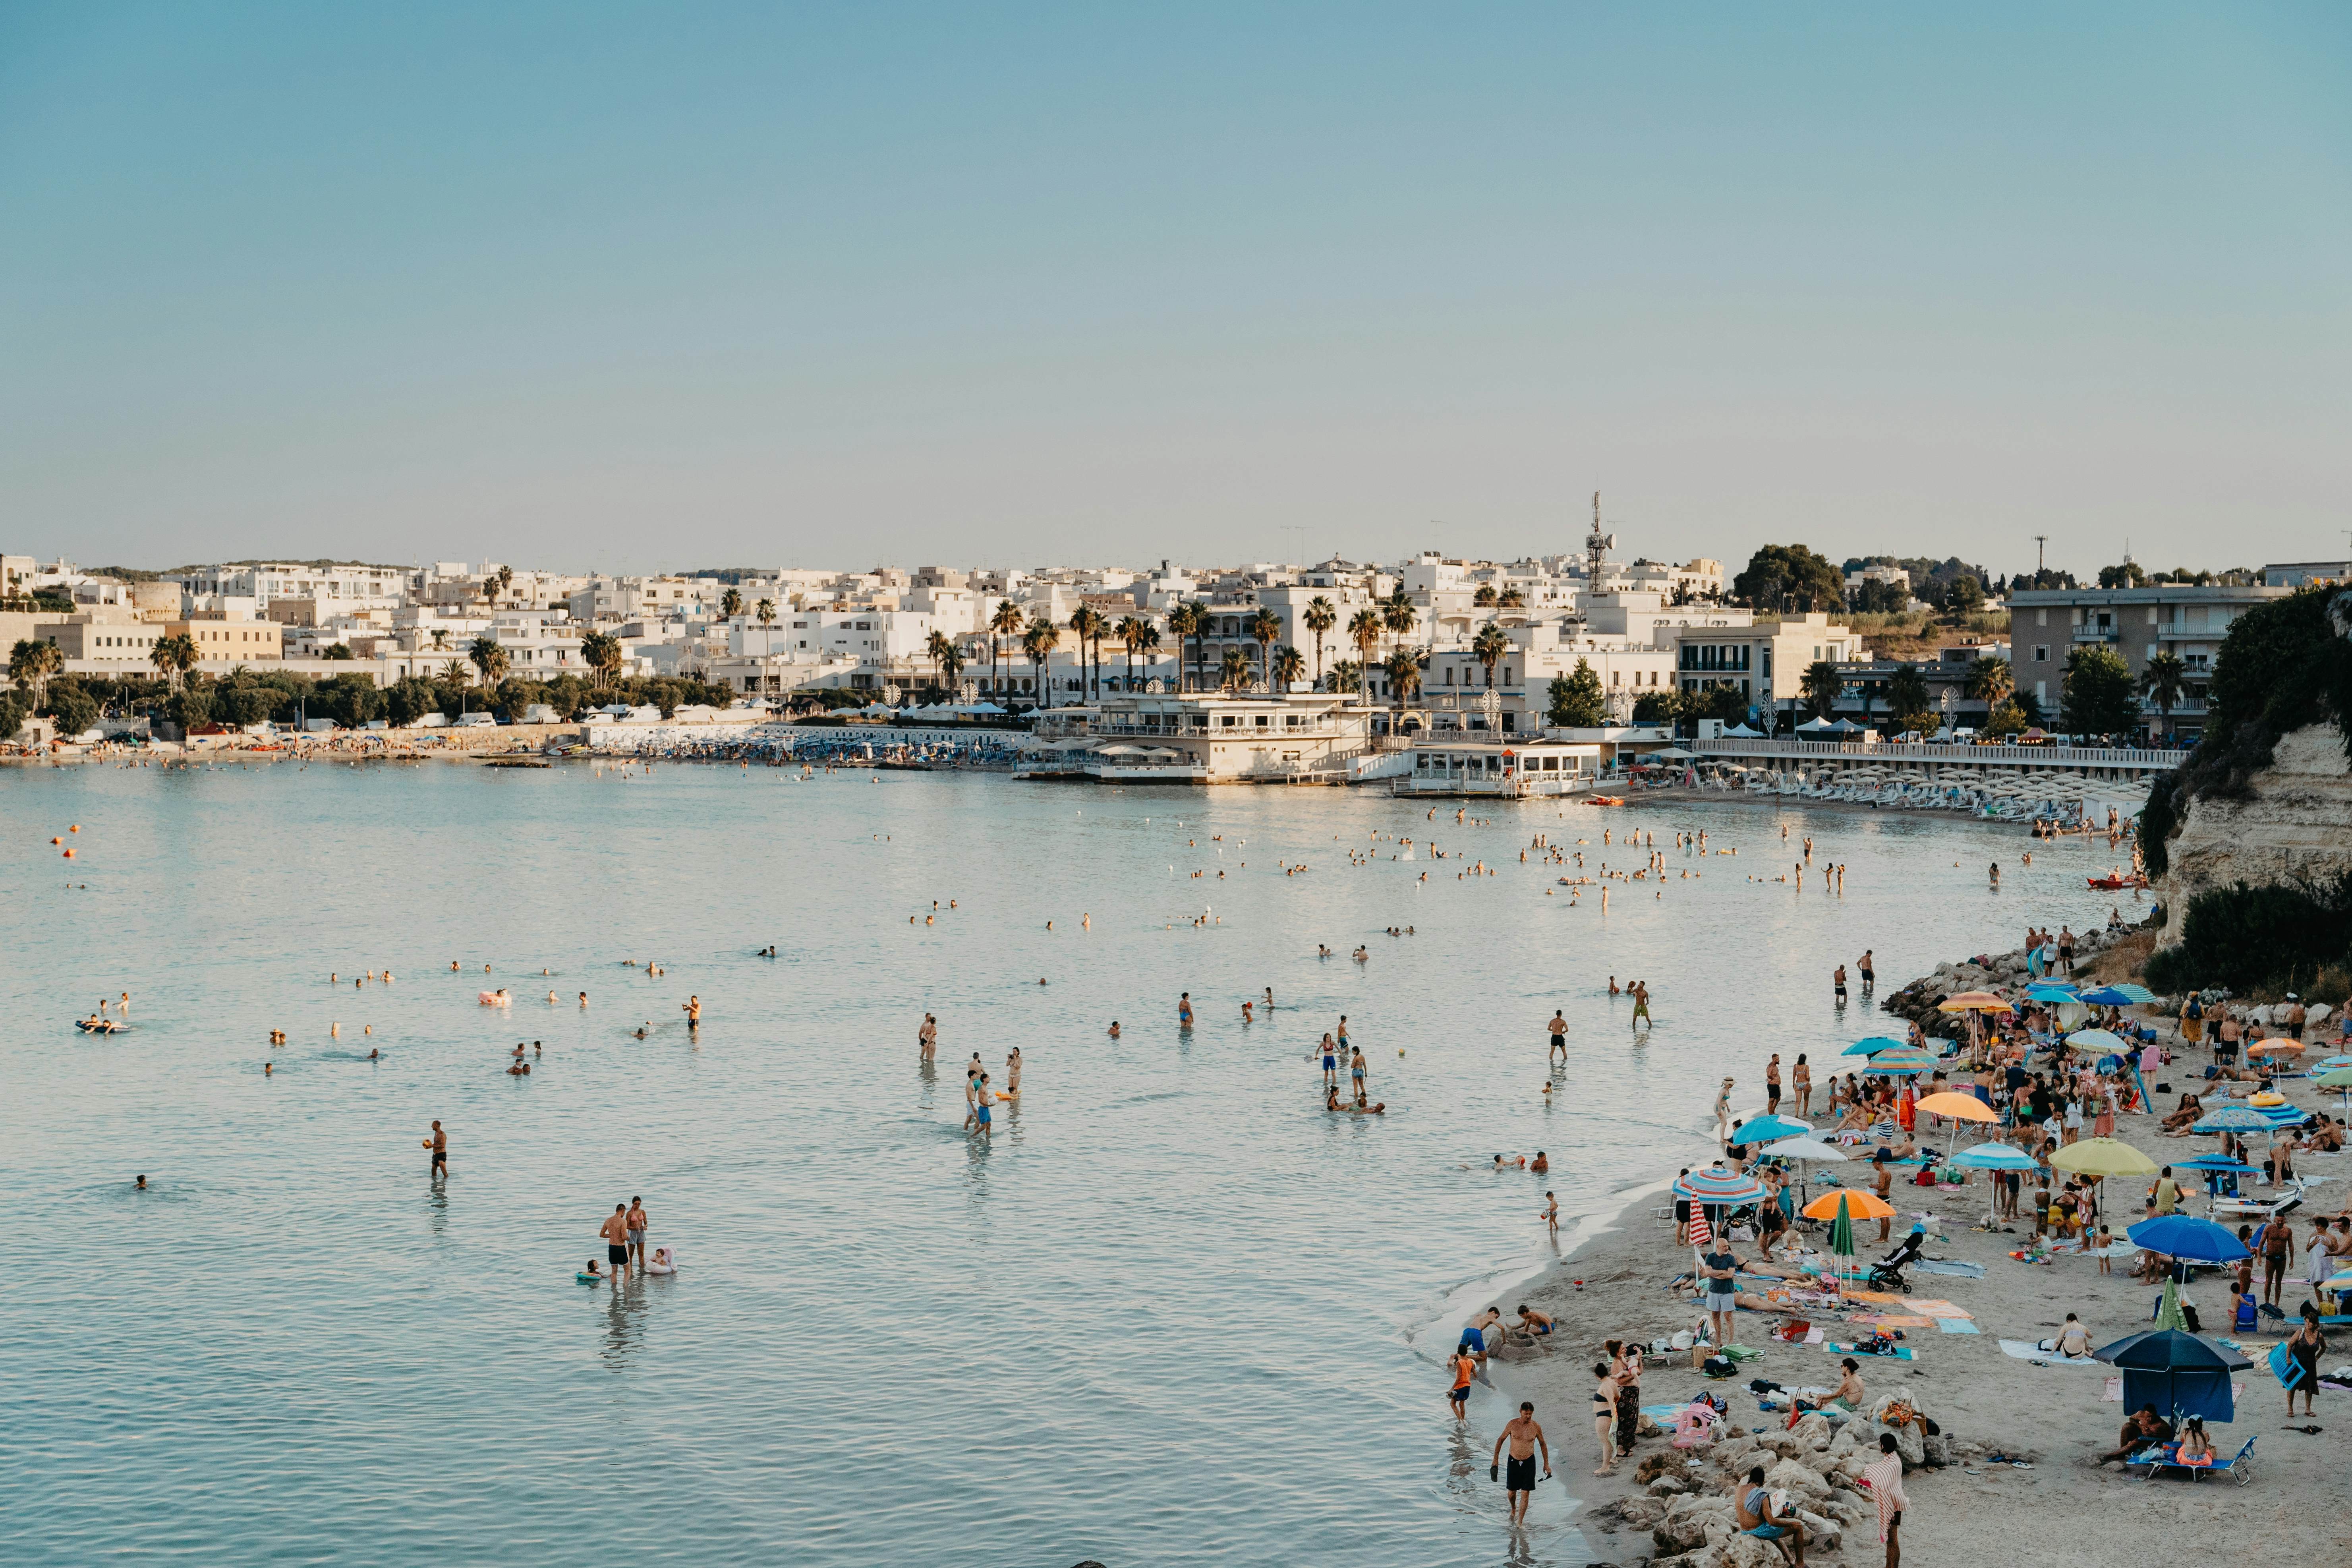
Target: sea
x,y
1169,1311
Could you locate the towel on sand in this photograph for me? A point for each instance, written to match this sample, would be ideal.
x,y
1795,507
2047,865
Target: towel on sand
x,y
2026,1350
1937,1266
1900,1352
1956,1325
1936,1309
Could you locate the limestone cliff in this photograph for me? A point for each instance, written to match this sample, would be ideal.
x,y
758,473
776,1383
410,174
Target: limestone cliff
x,y
2293,824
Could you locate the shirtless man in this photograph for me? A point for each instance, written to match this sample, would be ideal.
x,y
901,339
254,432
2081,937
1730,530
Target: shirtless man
x,y
1641,994
1559,1028
616,1232
439,1143
928,1037
1525,1437
1772,1084
637,1232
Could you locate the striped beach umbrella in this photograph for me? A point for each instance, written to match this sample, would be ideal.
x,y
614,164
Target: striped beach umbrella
x,y
1905,1060
2233,1118
1718,1186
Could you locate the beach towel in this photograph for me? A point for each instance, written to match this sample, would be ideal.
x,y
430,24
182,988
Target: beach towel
x,y
2026,1350
1814,1336
1936,1309
1935,1265
1879,1296
1892,1320
1900,1352
1955,1326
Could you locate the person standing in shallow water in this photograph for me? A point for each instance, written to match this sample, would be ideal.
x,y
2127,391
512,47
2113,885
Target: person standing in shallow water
x,y
1559,1028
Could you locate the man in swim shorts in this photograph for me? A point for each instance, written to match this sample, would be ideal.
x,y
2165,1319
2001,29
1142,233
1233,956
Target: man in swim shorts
x,y
637,1232
1524,1435
616,1232
1559,1028
981,1100
440,1166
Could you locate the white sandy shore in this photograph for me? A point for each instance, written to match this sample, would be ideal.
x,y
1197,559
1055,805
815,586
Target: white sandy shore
x,y
2067,1507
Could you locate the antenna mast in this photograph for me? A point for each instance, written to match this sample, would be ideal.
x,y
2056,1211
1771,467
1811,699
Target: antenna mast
x,y
1596,546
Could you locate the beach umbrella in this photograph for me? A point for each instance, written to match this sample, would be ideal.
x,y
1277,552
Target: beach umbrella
x,y
1905,1060
2112,996
2168,1314
2188,1239
2221,1162
2138,995
1992,1157
1872,1047
2339,1079
1974,1001
1959,1108
2183,1373
1718,1186
2098,1042
1768,1129
1804,1150
2277,1046
2233,1118
2103,1157
1848,1203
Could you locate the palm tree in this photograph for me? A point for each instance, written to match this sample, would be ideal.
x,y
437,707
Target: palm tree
x,y
1189,621
602,655
440,638
1234,671
1288,664
1485,597
1039,642
1266,626
1991,680
1489,646
1087,625
505,577
489,658
1404,678
1906,697
1320,618
1821,684
950,666
1004,622
767,612
1510,599
1129,632
941,649
1149,644
1398,614
2164,680
1346,673
30,665
730,603
1365,628
173,656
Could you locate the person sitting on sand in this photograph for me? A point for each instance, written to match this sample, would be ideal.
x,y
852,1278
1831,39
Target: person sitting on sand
x,y
2146,1429
2074,1341
1535,1325
2192,1109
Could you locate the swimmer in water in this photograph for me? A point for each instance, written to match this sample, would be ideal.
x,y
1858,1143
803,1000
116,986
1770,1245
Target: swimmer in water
x,y
1114,1028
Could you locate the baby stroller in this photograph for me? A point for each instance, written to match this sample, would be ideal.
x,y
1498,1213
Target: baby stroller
x,y
1887,1274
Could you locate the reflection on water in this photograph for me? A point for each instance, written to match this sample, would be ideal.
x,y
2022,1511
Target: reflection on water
x,y
1069,1333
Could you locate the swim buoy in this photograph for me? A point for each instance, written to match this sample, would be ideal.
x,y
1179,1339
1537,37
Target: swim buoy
x,y
69,854
2266,1099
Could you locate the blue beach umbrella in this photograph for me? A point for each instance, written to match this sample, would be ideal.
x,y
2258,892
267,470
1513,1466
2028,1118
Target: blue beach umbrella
x,y
2176,1371
1771,1130
1872,1047
2191,1239
2049,991
2221,1162
2104,996
1992,1157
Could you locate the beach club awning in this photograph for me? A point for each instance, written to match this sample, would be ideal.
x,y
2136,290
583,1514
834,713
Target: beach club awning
x,y
1717,1186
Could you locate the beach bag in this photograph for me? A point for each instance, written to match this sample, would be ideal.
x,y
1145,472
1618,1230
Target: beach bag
x,y
1718,1367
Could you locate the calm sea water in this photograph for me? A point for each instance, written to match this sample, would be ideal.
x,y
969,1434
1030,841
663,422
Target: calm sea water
x,y
1165,1316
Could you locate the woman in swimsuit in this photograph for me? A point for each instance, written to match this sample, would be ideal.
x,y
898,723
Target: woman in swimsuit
x,y
1604,1417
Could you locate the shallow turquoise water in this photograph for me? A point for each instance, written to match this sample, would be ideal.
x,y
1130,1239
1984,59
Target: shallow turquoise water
x,y
1163,1317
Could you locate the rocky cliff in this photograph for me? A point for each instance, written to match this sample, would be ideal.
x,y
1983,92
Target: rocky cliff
x,y
2292,822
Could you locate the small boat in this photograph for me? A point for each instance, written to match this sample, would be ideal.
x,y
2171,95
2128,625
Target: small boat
x,y
2116,884
1604,800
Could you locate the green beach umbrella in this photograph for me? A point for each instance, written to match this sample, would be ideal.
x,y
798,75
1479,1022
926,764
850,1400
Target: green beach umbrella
x,y
2167,1312
1842,1234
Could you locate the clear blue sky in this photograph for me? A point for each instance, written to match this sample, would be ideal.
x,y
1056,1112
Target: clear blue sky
x,y
579,285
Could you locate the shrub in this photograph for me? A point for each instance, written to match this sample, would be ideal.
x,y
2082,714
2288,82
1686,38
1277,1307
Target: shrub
x,y
2246,937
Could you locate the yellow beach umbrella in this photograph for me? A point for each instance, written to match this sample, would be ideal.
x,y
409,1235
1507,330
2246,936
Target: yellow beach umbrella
x,y
2275,1048
1974,1001
2103,1157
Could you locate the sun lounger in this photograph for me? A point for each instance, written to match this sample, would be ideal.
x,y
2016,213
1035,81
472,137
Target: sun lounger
x,y
2241,1463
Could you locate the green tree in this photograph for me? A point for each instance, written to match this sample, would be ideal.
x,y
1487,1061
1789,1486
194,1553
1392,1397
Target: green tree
x,y
1485,597
1990,681
1399,615
2099,697
1821,684
1233,672
1726,702
173,656
1086,626
1510,599
767,612
339,650
2127,575
1346,673
601,654
730,603
74,708
2008,719
2164,680
1662,706
1576,699
1404,675
1489,646
1320,618
1965,597
15,709
1790,576
940,648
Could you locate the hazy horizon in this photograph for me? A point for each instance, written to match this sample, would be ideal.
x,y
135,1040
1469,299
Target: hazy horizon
x,y
626,289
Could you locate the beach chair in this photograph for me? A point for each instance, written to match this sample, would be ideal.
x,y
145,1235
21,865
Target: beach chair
x,y
2240,1464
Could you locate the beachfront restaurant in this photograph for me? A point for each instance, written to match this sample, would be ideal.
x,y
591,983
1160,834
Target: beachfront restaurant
x,y
1208,738
1527,768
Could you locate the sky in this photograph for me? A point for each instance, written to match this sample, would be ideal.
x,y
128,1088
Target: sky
x,y
600,287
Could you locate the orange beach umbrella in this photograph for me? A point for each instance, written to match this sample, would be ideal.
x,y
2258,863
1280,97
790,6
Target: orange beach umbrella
x,y
1848,1203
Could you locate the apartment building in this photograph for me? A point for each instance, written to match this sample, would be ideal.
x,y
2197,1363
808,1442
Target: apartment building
x,y
2186,619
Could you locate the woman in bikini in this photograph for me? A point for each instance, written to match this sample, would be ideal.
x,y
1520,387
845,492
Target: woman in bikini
x,y
1604,1417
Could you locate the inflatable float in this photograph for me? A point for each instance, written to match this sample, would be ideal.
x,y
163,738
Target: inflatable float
x,y
663,1261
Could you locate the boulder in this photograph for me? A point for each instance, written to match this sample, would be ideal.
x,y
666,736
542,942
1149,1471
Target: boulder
x,y
1937,1450
1656,1464
1746,1552
1812,1431
1800,1481
1669,1485
1641,1512
1736,1454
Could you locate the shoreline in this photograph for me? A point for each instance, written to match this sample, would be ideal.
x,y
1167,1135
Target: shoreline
x,y
2056,1417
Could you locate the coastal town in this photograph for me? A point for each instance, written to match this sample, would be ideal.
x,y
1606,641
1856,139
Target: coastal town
x,y
1538,675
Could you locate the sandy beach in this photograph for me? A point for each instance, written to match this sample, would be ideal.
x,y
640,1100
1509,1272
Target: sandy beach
x,y
1967,1512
